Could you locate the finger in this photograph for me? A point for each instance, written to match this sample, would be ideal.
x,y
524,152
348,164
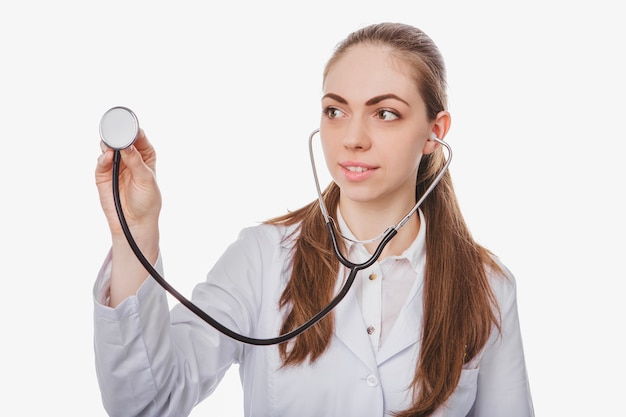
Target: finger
x,y
145,148
142,143
105,161
133,160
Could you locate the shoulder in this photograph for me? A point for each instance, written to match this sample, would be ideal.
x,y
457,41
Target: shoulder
x,y
258,249
502,281
267,236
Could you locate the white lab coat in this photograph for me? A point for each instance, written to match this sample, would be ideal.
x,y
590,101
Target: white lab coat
x,y
147,367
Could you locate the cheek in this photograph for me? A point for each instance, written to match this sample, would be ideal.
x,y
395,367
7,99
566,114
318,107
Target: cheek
x,y
329,152
408,163
410,153
326,149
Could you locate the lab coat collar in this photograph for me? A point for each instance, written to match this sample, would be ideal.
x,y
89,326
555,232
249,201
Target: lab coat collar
x,y
350,326
406,330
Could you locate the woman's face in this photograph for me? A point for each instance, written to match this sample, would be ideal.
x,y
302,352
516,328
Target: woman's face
x,y
374,127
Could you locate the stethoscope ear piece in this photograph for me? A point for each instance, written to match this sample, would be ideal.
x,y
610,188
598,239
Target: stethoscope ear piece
x,y
119,128
433,136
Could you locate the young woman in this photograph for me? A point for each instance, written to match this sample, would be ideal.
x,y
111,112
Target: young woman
x,y
430,329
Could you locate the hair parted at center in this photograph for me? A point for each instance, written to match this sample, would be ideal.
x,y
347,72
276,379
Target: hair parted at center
x,y
459,307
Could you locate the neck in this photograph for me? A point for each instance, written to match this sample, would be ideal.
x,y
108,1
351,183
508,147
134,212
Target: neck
x,y
367,221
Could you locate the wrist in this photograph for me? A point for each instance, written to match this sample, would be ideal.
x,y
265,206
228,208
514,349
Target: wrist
x,y
146,238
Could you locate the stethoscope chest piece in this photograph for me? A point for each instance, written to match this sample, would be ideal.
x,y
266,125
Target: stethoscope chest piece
x,y
119,128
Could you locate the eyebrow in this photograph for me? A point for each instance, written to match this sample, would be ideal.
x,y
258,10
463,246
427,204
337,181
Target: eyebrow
x,y
372,101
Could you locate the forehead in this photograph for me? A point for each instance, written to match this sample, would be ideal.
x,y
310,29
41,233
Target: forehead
x,y
365,71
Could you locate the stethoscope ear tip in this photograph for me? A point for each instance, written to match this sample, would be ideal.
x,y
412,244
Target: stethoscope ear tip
x,y
119,127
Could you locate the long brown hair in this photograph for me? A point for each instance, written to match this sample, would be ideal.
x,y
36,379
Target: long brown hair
x,y
459,306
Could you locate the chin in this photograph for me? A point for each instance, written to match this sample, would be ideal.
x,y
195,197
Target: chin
x,y
358,196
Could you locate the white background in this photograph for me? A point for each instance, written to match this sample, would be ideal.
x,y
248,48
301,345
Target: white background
x,y
228,94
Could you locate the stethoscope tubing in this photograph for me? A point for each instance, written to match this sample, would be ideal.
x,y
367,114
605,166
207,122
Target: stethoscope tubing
x,y
197,310
354,267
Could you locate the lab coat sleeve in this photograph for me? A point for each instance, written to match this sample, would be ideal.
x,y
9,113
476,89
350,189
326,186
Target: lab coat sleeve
x,y
503,386
129,345
153,362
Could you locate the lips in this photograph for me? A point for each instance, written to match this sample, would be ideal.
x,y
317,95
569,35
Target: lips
x,y
356,171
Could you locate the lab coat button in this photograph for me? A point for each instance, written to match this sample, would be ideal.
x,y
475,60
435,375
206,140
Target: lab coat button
x,y
372,277
372,381
371,330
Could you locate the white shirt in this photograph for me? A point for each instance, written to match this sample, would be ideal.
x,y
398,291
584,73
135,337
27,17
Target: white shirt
x,y
382,289
153,362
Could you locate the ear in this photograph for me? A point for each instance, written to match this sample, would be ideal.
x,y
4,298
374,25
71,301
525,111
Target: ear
x,y
439,128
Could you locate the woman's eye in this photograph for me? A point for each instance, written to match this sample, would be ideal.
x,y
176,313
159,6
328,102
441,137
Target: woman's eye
x,y
333,112
386,115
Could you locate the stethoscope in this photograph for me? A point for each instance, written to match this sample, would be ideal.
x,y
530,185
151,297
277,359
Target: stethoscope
x,y
119,128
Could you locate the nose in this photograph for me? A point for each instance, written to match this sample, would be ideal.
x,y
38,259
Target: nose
x,y
356,136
